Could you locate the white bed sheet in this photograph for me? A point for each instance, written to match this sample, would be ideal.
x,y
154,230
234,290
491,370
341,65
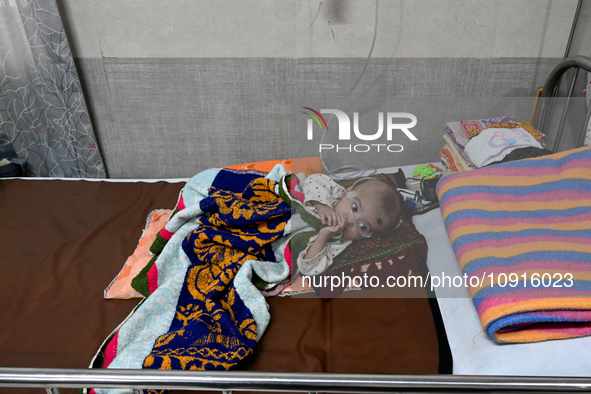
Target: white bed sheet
x,y
474,353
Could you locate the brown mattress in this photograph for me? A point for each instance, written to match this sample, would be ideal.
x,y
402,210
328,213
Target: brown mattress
x,y
62,242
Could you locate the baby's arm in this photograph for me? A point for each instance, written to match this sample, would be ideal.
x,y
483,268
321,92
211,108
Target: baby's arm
x,y
320,191
318,256
327,214
324,235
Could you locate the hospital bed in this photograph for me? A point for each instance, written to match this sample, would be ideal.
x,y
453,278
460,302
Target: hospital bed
x,y
63,241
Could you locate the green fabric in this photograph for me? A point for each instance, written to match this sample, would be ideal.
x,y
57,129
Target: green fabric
x,y
294,203
140,281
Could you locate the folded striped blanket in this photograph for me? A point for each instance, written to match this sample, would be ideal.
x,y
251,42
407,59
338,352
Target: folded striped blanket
x,y
521,232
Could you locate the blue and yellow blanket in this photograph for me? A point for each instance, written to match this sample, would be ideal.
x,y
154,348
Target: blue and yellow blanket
x,y
202,311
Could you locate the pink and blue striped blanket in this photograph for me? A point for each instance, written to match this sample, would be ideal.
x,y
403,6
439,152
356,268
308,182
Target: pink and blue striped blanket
x,y
521,232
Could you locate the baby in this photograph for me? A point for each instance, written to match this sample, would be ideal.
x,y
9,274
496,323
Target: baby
x,y
369,207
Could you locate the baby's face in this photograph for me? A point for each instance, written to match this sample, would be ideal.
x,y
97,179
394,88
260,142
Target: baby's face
x,y
368,218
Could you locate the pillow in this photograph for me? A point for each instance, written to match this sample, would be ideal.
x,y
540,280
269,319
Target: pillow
x,y
307,165
493,144
391,255
121,287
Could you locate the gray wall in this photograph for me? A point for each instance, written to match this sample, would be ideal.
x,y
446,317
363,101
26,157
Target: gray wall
x,y
177,87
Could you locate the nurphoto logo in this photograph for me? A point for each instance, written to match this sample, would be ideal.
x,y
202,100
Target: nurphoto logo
x,y
393,125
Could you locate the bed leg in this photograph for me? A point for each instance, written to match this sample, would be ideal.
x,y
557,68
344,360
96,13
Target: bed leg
x,y
52,390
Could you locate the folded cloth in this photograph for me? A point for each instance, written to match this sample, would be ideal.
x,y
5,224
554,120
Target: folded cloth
x,y
537,134
459,130
447,158
462,161
521,232
492,145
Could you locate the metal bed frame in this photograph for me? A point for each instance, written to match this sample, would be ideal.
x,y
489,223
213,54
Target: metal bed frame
x,y
226,381
545,109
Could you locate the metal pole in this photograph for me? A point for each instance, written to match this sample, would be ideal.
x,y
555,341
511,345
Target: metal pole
x,y
286,382
565,111
548,91
572,29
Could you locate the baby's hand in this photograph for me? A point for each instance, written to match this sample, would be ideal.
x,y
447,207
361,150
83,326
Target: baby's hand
x,y
330,231
326,213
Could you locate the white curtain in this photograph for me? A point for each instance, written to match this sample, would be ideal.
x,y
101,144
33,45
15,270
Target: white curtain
x,y
42,109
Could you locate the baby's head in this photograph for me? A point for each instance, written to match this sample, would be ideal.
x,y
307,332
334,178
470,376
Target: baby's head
x,y
372,207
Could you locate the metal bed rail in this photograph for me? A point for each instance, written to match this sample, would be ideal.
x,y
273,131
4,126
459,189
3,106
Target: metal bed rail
x,y
545,109
226,381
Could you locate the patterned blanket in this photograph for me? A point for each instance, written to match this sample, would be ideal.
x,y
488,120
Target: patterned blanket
x,y
521,232
202,311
